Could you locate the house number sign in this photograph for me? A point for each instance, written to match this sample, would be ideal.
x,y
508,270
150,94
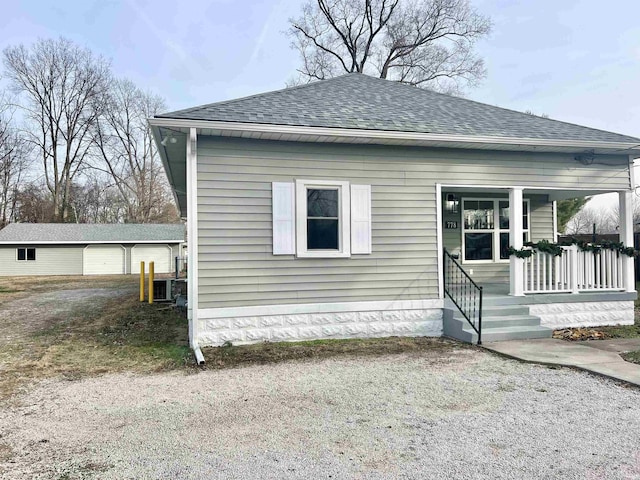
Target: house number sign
x,y
449,225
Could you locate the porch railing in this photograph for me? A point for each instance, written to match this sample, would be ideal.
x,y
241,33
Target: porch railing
x,y
463,292
572,272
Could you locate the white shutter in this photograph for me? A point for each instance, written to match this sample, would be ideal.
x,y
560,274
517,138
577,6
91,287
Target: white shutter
x,y
284,213
360,219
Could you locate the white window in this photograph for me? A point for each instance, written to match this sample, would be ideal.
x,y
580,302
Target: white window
x,y
485,229
26,254
323,223
321,219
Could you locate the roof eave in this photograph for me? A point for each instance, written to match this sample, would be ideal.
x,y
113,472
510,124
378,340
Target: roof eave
x,y
157,136
384,137
83,242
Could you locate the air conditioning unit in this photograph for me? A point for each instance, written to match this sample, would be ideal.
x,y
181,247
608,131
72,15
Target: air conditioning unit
x,y
163,290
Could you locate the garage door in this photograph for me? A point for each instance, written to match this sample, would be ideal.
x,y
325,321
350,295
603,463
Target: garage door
x,y
103,260
159,254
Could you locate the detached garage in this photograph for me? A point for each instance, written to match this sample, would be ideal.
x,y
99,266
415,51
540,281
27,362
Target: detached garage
x,y
88,249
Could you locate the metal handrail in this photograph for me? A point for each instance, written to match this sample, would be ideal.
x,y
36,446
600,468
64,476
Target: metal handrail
x,y
463,292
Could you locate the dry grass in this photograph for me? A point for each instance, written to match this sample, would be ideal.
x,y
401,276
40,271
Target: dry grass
x,y
109,335
118,333
235,356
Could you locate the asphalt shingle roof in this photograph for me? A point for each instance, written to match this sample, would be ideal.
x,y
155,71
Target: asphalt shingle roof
x,y
85,232
359,101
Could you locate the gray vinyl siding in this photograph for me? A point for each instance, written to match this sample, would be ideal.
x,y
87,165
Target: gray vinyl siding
x,y
235,261
50,260
540,217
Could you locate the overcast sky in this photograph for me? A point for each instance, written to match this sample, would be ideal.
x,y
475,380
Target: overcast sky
x,y
574,60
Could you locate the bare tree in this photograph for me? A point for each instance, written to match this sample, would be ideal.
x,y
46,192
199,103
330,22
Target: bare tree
x,y
97,201
128,153
567,209
427,43
34,204
605,220
63,86
14,160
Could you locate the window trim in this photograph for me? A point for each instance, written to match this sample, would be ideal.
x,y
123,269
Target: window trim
x,y
495,231
344,218
26,254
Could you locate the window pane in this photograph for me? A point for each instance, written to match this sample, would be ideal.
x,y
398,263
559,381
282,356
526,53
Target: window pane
x,y
322,203
22,255
504,214
478,246
478,214
31,253
322,234
504,246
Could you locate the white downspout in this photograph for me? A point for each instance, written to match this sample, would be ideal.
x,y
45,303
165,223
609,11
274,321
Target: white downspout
x,y
198,353
192,232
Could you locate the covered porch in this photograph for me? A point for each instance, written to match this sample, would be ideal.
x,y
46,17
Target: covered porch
x,y
486,228
505,277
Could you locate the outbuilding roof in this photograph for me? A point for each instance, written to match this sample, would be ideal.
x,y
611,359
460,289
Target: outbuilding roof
x,y
357,101
70,233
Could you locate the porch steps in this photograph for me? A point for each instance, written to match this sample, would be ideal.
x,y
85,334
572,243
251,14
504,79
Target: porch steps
x,y
499,322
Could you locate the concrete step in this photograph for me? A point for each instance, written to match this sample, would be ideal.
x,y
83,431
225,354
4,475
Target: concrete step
x,y
509,333
503,321
503,300
491,323
500,310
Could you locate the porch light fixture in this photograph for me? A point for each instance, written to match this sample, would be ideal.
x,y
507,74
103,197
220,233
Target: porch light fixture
x,y
170,139
452,203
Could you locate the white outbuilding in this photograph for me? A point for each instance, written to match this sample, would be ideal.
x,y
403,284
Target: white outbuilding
x,y
88,249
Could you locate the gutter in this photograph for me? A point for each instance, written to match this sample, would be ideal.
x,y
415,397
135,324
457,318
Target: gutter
x,y
394,137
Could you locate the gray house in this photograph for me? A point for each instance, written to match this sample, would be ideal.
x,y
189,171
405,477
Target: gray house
x,y
87,249
362,207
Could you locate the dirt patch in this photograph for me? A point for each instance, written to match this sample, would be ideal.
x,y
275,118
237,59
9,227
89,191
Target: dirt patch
x,y
20,318
264,353
84,326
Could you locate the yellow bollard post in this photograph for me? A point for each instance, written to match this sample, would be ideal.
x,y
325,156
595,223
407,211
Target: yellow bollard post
x,y
150,282
142,281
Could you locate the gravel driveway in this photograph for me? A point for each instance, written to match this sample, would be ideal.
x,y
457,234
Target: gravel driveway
x,y
461,413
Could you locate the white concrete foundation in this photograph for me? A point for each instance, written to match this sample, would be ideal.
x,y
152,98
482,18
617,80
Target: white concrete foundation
x,y
584,314
291,327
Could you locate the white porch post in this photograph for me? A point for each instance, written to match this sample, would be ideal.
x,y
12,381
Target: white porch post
x,y
626,237
516,265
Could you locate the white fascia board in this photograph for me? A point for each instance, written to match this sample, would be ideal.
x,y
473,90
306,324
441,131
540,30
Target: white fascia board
x,y
392,136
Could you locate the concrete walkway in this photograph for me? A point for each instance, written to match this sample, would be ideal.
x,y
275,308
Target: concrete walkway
x,y
598,356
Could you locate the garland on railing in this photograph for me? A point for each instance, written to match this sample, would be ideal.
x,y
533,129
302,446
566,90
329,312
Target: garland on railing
x,y
555,249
